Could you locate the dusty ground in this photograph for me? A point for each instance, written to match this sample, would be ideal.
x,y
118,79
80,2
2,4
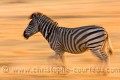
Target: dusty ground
x,y
16,52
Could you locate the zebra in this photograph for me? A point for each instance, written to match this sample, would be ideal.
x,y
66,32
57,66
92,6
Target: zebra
x,y
72,40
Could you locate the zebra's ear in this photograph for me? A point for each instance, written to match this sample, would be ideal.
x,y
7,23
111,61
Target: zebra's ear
x,y
34,15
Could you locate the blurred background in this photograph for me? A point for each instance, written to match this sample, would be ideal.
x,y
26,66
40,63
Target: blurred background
x,y
16,51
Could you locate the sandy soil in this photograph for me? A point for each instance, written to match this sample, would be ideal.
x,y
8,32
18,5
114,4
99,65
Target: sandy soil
x,y
32,54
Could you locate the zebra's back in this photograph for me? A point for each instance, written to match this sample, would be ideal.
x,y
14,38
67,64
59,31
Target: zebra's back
x,y
77,40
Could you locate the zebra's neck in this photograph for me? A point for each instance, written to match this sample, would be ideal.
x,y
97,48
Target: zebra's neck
x,y
48,30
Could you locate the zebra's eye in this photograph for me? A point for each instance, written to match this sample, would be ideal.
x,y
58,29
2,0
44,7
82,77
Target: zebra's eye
x,y
31,23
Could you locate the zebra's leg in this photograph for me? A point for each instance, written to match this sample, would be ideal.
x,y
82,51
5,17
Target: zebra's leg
x,y
62,65
53,59
103,57
58,58
59,62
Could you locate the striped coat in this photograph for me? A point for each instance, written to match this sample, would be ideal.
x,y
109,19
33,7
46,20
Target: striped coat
x,y
72,40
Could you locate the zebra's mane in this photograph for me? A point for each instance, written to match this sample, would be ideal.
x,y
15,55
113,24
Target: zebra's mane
x,y
41,14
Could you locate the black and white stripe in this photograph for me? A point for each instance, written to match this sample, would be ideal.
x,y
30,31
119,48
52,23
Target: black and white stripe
x,y
72,40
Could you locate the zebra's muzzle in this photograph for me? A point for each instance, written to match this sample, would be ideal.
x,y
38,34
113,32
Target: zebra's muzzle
x,y
26,36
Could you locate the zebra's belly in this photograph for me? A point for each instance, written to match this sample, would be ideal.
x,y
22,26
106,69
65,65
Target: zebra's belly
x,y
76,50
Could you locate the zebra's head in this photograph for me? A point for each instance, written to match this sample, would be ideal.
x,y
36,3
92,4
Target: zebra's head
x,y
39,23
33,26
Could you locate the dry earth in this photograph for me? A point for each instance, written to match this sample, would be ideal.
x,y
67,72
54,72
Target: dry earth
x,y
32,54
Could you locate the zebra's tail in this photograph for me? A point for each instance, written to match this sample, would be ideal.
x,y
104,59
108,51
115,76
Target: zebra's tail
x,y
109,46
